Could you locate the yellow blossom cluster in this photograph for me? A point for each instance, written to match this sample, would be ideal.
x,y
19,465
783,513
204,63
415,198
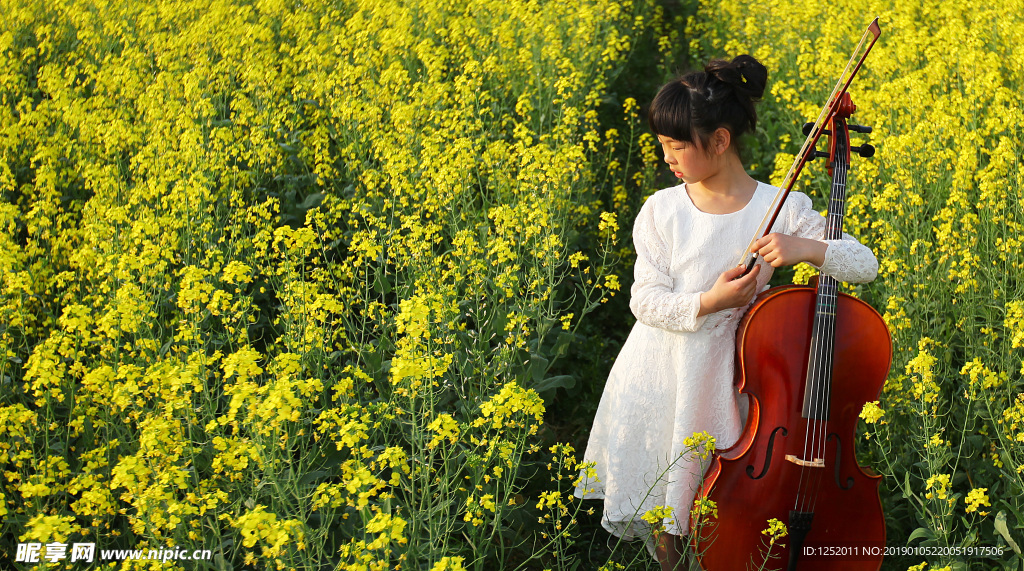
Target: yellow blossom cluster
x,y
700,443
977,498
658,516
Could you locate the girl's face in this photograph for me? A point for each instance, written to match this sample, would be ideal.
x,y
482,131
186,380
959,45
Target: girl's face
x,y
689,161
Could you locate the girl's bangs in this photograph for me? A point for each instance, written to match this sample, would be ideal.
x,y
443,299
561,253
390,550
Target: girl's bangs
x,y
669,115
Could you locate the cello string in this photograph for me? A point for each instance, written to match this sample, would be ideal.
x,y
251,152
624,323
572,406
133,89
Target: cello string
x,y
802,486
838,232
813,378
819,366
825,304
810,379
817,379
815,401
833,231
825,331
827,299
825,311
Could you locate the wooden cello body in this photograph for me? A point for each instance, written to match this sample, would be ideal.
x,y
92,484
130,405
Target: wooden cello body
x,y
753,481
808,359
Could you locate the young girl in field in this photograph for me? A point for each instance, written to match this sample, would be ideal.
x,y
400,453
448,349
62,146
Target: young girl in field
x,y
674,375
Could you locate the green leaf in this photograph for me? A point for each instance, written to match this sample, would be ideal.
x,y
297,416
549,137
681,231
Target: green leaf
x,y
313,477
550,383
919,533
538,367
496,323
1003,531
381,284
562,343
312,201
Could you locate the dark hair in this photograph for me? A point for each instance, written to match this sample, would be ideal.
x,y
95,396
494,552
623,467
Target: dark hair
x,y
694,105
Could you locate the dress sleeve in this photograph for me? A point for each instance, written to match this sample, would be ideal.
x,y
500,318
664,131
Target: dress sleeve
x,y
652,298
846,260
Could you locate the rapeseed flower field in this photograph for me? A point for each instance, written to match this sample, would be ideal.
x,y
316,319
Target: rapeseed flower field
x,y
286,281
300,284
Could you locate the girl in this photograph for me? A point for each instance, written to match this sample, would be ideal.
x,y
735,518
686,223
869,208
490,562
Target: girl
x,y
674,375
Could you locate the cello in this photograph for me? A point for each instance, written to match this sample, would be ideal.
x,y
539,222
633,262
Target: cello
x,y
808,358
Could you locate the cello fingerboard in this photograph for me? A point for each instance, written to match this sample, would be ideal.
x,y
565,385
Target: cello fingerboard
x,y
818,384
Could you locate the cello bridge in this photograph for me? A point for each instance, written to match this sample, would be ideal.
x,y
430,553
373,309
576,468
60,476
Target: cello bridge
x,y
817,463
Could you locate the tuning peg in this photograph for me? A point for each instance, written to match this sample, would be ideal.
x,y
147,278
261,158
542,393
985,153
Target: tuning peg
x,y
808,126
865,150
855,128
818,154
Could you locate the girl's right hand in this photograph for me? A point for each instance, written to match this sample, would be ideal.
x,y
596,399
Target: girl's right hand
x,y
730,290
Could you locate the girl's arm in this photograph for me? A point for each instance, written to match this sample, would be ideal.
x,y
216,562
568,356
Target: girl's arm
x,y
651,298
846,260
732,289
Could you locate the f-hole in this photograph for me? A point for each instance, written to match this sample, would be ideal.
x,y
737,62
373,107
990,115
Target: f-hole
x,y
839,452
767,456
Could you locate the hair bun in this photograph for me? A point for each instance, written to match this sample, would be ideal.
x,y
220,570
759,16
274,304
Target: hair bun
x,y
694,105
744,73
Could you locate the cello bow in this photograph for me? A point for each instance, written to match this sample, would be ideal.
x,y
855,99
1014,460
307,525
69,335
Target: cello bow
x,y
830,109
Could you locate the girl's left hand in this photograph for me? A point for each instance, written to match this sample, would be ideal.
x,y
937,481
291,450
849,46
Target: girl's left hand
x,y
785,250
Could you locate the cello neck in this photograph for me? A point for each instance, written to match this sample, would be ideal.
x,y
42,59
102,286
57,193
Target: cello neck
x,y
839,167
818,386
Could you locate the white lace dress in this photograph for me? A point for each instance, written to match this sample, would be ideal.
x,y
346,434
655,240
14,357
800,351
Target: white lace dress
x,y
674,375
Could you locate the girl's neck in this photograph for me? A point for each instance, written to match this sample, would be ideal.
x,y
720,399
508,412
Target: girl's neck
x,y
728,189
